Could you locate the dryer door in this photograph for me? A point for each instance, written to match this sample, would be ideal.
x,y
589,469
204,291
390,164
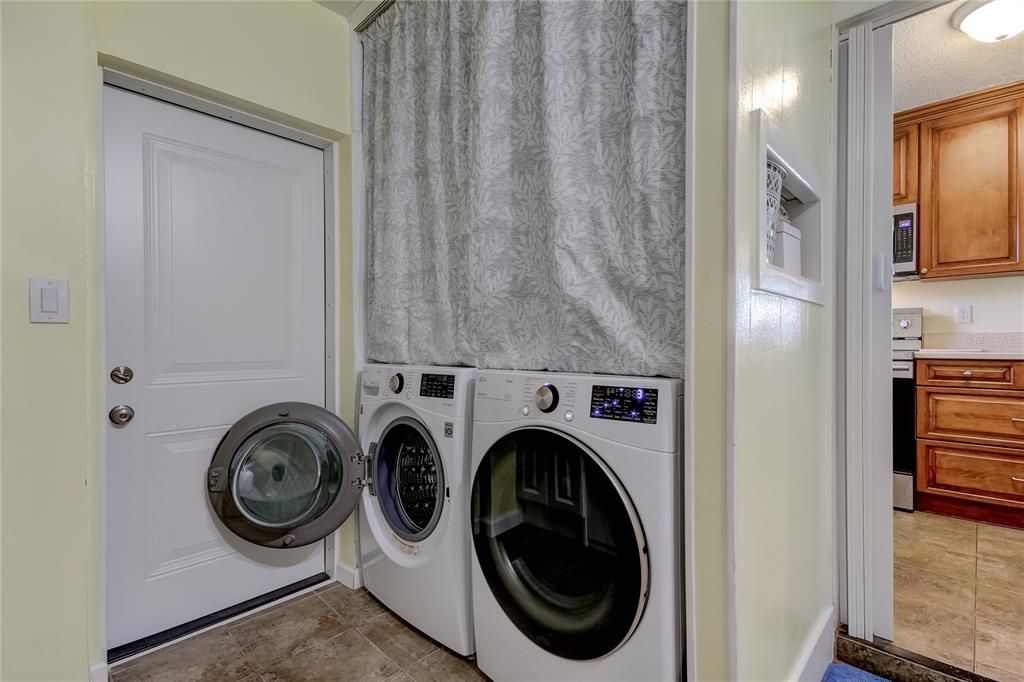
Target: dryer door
x,y
286,475
559,543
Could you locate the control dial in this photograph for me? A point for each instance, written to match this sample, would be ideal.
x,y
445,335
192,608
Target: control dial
x,y
905,323
396,382
546,398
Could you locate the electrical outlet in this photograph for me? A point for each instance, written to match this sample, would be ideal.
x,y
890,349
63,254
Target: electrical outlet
x,y
964,313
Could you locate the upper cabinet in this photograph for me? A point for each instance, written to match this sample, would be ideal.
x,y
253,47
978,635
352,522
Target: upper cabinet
x,y
904,164
969,184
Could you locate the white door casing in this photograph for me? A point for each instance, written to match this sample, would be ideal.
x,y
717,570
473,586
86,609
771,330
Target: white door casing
x,y
214,296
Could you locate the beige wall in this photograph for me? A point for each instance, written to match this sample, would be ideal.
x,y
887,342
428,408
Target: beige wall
x,y
998,303
782,490
286,60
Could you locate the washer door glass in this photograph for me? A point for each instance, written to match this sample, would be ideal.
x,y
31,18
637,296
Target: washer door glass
x,y
409,479
285,475
281,475
559,543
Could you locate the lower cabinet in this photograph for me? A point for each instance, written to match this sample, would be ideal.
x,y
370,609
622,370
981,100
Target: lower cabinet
x,y
970,449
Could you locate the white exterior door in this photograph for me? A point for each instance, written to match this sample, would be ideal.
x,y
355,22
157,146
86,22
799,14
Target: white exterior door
x,y
215,300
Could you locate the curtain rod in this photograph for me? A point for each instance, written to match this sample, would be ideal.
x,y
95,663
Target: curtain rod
x,y
374,15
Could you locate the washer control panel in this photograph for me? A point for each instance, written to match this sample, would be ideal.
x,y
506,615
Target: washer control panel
x,y
437,386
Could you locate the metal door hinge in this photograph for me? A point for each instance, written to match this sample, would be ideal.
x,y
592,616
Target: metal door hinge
x,y
366,481
216,481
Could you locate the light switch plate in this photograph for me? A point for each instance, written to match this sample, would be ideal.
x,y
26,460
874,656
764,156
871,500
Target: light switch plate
x,y
48,300
964,313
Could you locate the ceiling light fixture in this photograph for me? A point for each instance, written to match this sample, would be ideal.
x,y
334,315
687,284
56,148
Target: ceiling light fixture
x,y
990,21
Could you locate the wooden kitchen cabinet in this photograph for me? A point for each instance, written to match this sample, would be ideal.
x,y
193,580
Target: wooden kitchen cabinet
x,y
971,373
970,168
970,439
904,164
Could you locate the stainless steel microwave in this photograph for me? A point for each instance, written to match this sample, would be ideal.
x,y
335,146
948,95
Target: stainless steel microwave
x,y
904,240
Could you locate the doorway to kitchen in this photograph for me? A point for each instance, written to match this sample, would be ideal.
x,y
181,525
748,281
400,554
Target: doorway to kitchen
x,y
935,558
217,272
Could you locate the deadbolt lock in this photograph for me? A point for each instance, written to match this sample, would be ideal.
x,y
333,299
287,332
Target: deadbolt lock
x,y
121,374
121,415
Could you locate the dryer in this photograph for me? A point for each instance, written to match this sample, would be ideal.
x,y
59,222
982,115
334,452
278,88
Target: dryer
x,y
289,474
414,425
576,527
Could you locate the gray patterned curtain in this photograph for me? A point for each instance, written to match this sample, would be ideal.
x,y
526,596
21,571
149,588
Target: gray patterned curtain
x,y
524,165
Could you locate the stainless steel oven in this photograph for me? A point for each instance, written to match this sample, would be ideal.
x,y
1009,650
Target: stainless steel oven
x,y
906,338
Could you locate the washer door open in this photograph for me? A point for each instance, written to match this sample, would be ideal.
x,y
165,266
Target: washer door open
x,y
286,475
559,543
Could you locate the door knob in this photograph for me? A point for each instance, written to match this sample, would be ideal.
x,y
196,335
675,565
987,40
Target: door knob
x,y
968,374
121,415
121,374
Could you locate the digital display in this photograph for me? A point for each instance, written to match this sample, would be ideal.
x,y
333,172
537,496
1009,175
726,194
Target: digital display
x,y
437,386
903,238
624,404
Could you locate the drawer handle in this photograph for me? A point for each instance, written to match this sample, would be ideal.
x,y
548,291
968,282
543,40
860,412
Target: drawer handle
x,y
1017,420
1016,480
968,374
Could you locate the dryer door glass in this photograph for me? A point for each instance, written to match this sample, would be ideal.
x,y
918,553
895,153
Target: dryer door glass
x,y
285,475
559,543
409,479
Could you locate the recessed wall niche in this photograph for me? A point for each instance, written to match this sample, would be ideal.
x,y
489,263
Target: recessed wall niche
x,y
793,265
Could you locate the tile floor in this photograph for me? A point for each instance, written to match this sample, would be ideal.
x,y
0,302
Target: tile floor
x,y
333,633
959,589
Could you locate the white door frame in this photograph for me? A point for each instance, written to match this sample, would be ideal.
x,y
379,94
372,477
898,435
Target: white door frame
x,y
864,390
331,152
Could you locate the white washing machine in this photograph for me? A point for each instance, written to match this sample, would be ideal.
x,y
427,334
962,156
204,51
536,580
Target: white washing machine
x,y
414,426
576,527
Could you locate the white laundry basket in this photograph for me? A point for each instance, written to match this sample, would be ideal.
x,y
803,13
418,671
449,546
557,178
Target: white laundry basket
x,y
774,177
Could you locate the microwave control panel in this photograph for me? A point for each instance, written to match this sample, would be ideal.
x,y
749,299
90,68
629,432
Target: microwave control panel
x,y
903,238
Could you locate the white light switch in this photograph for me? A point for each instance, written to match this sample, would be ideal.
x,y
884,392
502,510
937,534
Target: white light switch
x,y
48,300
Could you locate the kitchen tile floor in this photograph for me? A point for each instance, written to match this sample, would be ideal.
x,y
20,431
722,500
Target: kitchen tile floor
x,y
333,633
959,591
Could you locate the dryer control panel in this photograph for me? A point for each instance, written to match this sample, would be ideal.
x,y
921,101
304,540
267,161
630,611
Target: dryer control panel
x,y
642,412
624,404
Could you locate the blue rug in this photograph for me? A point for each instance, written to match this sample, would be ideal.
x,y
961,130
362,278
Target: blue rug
x,y
840,672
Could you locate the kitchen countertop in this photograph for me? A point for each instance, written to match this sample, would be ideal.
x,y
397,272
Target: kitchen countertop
x,y
967,354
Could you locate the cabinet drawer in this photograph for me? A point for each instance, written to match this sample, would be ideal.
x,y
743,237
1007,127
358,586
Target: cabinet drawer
x,y
983,474
967,373
985,417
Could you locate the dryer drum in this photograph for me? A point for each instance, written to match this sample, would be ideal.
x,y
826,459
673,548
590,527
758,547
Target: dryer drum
x,y
409,479
285,475
559,543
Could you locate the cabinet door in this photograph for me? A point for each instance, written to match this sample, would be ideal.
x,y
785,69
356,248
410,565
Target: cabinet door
x,y
970,192
904,164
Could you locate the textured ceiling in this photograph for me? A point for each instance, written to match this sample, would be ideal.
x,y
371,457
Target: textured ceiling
x,y
933,61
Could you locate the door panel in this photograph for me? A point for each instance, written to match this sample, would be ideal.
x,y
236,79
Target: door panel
x,y
214,296
206,319
970,192
904,164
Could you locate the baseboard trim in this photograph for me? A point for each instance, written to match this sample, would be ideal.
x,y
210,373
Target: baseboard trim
x,y
349,576
98,672
818,648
